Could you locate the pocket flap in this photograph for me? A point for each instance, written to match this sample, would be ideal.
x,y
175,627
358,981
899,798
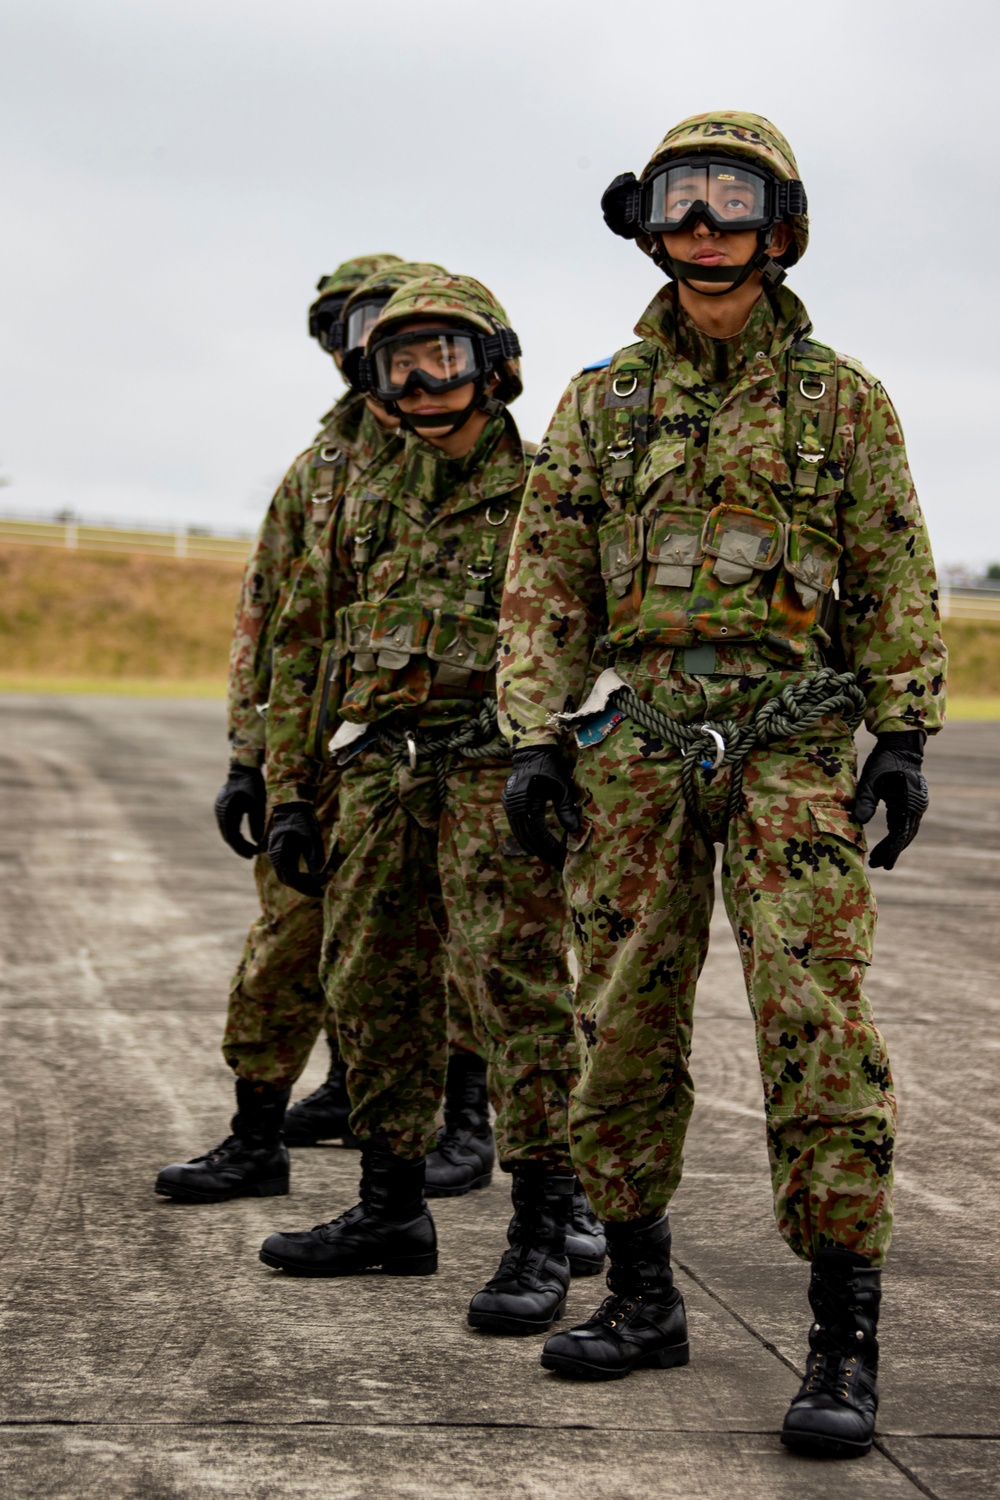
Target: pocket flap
x,y
384,574
772,465
674,537
399,631
659,460
833,818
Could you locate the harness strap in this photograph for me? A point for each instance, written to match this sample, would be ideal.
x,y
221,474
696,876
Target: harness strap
x,y
796,709
473,739
812,410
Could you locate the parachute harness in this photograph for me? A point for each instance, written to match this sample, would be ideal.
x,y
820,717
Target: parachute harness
x,y
474,739
794,711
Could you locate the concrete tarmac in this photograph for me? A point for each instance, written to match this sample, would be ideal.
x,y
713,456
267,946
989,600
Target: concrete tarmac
x,y
148,1353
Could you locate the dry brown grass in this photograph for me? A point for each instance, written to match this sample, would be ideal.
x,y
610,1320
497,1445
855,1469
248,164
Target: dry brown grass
x,y
109,615
100,618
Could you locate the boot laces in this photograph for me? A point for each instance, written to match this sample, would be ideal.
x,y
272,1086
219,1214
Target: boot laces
x,y
231,1146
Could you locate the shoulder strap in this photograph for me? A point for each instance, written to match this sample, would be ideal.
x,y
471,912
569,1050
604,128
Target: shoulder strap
x,y
330,474
812,410
627,395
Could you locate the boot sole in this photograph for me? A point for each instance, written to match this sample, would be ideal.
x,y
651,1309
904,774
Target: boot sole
x,y
818,1446
278,1188
578,1369
413,1265
518,1327
585,1267
431,1191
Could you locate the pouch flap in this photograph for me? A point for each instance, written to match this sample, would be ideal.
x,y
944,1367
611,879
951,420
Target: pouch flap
x,y
384,574
355,624
463,641
621,545
812,557
771,464
743,542
673,542
399,631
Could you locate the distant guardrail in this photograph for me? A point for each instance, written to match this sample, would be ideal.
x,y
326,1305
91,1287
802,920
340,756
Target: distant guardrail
x,y
79,536
970,604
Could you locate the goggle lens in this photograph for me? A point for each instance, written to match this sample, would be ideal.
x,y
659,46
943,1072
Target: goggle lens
x,y
360,321
728,194
437,360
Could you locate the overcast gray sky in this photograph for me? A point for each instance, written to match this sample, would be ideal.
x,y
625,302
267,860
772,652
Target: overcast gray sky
x,y
178,173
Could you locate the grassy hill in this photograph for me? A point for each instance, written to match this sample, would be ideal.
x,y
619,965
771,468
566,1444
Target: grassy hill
x,y
109,622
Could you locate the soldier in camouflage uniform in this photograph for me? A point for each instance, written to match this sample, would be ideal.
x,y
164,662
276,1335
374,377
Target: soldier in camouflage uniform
x,y
693,511
392,625
276,998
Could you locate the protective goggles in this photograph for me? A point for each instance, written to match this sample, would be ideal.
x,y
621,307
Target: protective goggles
x,y
325,324
725,193
434,360
359,321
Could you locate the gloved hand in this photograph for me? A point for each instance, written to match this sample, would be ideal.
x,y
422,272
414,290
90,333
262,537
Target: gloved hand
x,y
296,835
538,778
892,775
243,796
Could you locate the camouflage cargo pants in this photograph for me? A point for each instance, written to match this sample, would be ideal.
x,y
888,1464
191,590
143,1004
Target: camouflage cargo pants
x,y
640,884
277,1004
416,889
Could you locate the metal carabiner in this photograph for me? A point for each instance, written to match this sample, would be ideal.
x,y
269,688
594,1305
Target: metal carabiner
x,y
411,748
632,388
720,748
809,395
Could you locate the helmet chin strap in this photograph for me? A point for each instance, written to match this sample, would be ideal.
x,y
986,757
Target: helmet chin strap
x,y
687,271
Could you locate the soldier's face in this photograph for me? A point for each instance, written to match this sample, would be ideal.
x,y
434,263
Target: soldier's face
x,y
439,362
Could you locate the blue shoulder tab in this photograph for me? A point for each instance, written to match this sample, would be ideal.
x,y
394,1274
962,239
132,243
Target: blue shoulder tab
x,y
599,364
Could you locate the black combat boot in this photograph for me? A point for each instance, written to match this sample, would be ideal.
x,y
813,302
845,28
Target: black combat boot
x,y
641,1324
833,1415
529,1289
390,1229
586,1245
250,1163
464,1156
323,1115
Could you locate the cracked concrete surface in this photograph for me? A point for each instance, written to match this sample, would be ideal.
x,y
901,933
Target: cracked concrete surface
x,y
148,1353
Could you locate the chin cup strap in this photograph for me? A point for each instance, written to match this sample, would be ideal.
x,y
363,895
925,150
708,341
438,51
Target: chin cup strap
x,y
449,421
732,276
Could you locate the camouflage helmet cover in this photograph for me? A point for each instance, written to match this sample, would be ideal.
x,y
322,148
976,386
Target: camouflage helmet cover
x,y
453,299
733,133
351,273
389,278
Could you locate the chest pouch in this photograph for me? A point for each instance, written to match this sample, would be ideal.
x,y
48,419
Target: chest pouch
x,y
812,558
673,547
400,675
802,590
355,624
743,542
460,646
620,539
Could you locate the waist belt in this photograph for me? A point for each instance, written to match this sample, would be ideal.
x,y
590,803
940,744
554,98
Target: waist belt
x,y
796,709
474,739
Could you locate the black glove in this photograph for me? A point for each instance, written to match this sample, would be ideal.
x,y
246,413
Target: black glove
x,y
892,775
539,777
295,835
243,796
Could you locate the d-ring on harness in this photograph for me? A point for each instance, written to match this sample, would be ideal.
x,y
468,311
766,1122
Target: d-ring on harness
x,y
796,709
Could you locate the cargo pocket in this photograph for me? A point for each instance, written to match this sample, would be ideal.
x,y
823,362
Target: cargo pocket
x,y
843,906
533,924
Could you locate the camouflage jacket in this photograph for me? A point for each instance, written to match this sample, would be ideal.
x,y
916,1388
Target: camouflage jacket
x,y
393,615
346,444
721,494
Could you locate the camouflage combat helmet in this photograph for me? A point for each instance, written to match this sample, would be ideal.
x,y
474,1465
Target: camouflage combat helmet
x,y
368,298
463,304
324,312
722,134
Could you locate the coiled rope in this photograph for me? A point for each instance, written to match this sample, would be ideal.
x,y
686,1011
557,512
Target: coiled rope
x,y
796,709
474,739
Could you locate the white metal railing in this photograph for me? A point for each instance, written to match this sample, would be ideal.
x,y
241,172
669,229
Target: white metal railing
x,y
83,537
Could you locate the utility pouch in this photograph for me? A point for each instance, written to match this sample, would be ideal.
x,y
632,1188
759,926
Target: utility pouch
x,y
326,698
620,539
399,631
812,558
399,676
673,545
460,645
743,542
